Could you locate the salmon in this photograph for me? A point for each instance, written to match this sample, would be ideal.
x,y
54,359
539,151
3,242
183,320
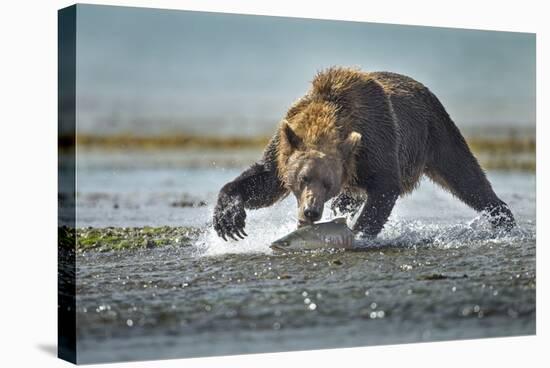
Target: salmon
x,y
333,234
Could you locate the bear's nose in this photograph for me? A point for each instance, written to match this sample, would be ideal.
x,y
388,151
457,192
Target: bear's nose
x,y
311,214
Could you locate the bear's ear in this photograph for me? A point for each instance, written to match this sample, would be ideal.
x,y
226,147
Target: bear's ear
x,y
289,138
348,146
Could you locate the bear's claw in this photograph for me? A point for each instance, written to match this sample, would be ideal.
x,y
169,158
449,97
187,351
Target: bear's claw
x,y
229,218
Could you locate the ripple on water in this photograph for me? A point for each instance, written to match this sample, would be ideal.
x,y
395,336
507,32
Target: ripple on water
x,y
422,279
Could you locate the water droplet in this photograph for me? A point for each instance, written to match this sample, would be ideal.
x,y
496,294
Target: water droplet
x,y
476,308
304,293
453,289
367,293
380,314
276,326
373,305
372,315
409,291
312,306
307,301
495,293
102,308
129,322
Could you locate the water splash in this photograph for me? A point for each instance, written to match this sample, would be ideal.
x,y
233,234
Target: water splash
x,y
268,224
263,226
476,232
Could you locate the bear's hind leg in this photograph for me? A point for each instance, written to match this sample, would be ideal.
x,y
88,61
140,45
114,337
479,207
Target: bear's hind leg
x,y
455,168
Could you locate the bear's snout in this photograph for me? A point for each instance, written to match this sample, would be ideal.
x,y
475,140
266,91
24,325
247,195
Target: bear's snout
x,y
309,215
312,214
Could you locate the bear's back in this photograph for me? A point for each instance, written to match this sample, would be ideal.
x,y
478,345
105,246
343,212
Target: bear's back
x,y
398,84
335,83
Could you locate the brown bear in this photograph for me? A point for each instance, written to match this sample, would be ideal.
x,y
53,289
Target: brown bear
x,y
357,134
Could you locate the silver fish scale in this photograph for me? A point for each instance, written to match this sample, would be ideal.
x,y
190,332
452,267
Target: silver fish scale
x,y
338,240
333,234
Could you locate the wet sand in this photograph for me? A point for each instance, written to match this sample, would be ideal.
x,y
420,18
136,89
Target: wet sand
x,y
173,301
154,281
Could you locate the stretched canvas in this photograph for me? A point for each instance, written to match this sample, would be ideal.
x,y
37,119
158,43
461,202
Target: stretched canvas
x,y
192,143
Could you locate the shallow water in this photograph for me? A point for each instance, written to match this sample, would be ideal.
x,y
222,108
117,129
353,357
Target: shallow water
x,y
436,272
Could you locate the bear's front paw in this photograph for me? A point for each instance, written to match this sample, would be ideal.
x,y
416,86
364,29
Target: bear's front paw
x,y
229,217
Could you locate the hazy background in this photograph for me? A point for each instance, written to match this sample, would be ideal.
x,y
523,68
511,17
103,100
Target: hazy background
x,y
148,71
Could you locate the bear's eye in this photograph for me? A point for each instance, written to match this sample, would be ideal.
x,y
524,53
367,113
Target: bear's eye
x,y
304,180
326,185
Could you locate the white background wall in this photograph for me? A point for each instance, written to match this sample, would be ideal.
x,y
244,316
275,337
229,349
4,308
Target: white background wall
x,y
28,136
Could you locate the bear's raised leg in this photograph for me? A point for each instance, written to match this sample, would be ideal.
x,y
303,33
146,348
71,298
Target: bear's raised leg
x,y
258,186
453,166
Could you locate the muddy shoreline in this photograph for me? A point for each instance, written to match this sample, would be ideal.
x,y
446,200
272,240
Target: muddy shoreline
x,y
200,304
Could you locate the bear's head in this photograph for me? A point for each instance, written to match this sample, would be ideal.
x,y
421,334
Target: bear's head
x,y
315,170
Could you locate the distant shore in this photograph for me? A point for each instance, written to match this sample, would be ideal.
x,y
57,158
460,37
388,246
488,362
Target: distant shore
x,y
494,153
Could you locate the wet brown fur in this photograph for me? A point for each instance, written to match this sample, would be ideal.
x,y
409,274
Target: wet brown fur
x,y
379,133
